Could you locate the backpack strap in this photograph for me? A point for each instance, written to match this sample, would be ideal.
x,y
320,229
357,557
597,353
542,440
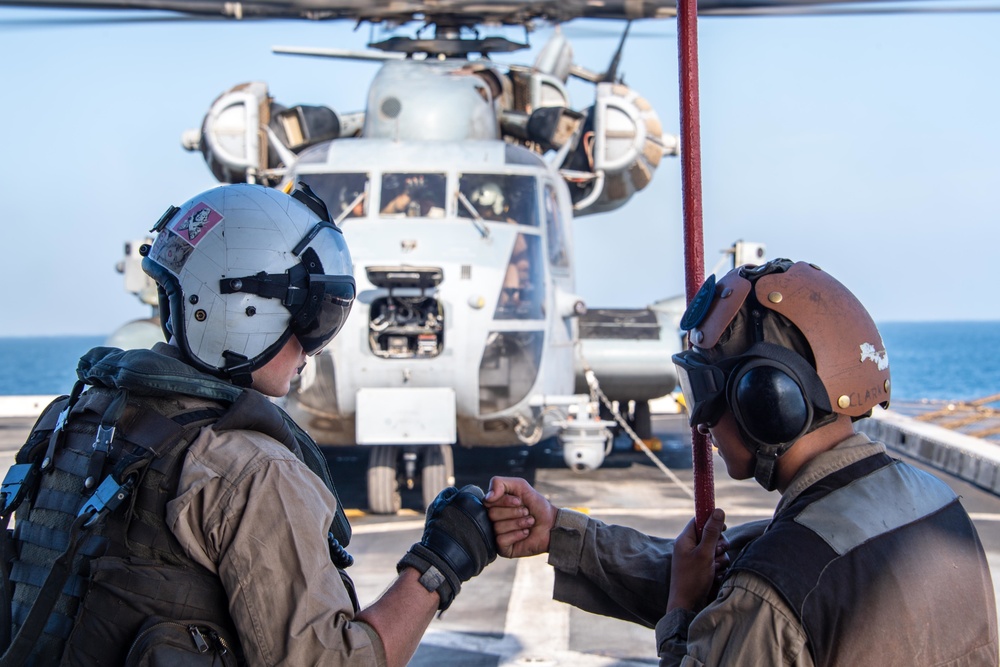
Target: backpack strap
x,y
19,482
150,436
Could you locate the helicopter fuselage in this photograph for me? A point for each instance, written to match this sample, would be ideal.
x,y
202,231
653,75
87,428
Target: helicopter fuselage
x,y
465,310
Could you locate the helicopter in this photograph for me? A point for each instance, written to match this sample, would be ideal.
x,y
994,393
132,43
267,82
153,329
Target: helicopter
x,y
455,189
407,321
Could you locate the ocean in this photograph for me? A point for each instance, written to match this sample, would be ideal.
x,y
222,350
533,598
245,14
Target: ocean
x,y
937,361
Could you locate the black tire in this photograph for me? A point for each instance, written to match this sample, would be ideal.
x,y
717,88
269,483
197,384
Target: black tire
x,y
437,471
383,483
642,421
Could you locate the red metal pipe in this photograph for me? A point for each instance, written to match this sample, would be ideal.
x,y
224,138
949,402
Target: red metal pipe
x,y
694,241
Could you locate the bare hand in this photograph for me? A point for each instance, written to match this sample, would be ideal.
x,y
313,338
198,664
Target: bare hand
x,y
696,564
522,517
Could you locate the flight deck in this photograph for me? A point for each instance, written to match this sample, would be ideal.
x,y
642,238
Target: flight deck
x,y
506,616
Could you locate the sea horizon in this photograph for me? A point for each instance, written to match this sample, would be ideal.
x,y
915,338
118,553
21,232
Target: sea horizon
x,y
937,360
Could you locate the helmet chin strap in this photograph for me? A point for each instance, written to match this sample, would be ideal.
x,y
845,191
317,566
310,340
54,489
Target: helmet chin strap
x,y
766,468
238,369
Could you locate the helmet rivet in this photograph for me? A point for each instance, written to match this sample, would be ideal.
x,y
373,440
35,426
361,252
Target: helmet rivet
x,y
844,402
251,311
193,299
774,297
887,386
200,315
697,336
236,284
726,293
88,483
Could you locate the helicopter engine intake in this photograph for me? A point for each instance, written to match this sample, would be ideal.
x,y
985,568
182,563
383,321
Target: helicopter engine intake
x,y
246,137
617,151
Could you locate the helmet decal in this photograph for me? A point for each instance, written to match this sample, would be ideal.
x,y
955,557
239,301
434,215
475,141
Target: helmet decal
x,y
869,353
197,223
172,252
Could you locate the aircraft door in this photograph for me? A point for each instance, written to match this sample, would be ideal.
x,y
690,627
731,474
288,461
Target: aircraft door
x,y
512,355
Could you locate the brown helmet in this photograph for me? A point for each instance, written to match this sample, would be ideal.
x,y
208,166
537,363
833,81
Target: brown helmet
x,y
786,347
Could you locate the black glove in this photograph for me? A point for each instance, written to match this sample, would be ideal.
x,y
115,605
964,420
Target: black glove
x,y
457,544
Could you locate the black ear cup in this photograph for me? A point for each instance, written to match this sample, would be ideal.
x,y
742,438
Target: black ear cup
x,y
768,402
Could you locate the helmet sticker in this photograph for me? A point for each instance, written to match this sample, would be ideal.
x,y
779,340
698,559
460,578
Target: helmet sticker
x,y
869,353
170,252
699,305
197,224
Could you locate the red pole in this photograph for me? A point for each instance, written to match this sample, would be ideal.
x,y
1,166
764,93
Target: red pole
x,y
694,241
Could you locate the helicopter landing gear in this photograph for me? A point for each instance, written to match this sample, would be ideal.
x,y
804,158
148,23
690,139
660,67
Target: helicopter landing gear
x,y
642,420
391,465
383,483
437,471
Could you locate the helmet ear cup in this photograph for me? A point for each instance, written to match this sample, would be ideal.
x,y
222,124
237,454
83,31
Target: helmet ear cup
x,y
768,402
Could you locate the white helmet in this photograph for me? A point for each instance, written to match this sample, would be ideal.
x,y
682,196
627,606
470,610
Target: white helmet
x,y
241,268
489,195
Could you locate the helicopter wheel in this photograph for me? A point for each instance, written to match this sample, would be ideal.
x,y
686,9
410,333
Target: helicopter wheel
x,y
383,483
642,420
437,471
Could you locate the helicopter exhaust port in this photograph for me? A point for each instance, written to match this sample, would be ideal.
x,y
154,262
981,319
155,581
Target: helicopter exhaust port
x,y
407,322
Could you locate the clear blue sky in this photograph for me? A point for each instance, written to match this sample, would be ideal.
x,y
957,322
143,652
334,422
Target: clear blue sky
x,y
868,145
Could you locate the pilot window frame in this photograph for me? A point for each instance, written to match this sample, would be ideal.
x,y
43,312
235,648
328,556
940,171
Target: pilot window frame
x,y
555,230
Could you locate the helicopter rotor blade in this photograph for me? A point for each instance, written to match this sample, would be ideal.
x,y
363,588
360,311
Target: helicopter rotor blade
x,y
133,19
611,75
850,9
506,12
343,54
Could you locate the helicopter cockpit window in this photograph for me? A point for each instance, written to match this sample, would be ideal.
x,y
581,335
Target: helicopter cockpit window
x,y
412,195
523,292
555,232
498,198
346,195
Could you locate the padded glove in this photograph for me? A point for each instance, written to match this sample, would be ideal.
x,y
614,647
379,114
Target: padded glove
x,y
458,543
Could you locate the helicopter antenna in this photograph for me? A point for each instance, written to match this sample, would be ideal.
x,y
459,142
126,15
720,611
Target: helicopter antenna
x,y
612,74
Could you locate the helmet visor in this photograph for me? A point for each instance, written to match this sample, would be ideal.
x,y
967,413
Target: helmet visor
x,y
703,385
324,312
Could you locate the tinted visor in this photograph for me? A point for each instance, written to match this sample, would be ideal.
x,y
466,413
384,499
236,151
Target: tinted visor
x,y
704,387
324,312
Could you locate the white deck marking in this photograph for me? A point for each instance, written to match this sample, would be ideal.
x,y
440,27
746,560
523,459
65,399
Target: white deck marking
x,y
536,630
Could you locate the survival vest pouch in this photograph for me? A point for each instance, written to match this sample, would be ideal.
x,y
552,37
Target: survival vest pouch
x,y
70,576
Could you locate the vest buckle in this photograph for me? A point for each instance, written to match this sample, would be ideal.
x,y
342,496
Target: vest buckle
x,y
20,478
106,499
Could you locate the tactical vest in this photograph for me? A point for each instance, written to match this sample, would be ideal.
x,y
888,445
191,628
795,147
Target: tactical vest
x,y
882,566
92,562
